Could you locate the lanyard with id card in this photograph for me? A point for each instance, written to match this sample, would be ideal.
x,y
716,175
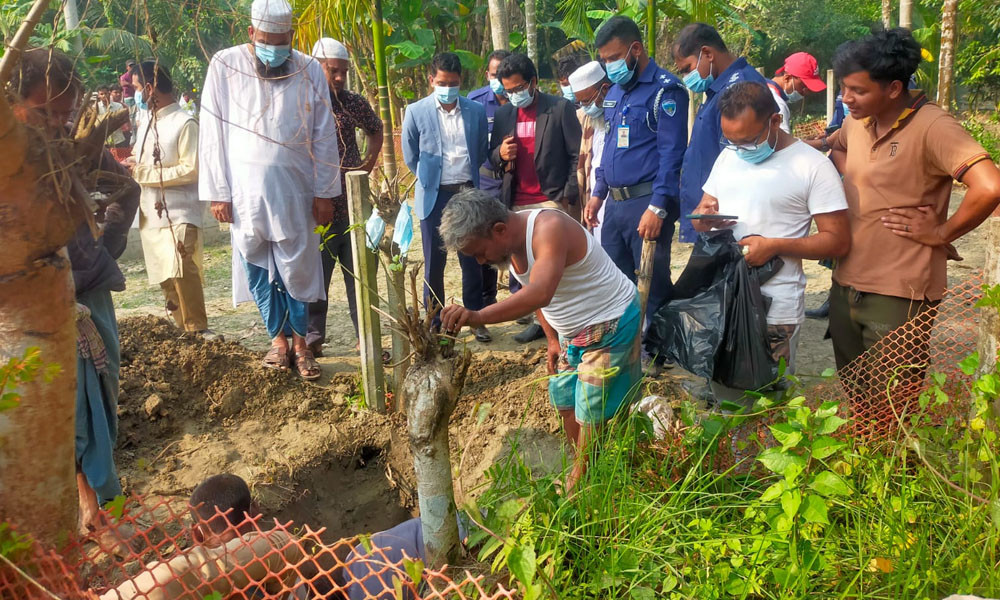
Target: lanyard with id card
x,y
623,131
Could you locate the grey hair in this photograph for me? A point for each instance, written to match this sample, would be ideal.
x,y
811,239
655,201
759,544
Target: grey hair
x,y
469,214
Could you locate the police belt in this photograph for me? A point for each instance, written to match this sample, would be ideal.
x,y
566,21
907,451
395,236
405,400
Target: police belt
x,y
631,191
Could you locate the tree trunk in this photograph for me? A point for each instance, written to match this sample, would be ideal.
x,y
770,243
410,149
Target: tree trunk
x,y
430,399
37,308
946,60
71,15
906,14
530,34
887,13
498,25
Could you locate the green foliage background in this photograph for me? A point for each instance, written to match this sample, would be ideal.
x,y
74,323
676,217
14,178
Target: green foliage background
x,y
184,34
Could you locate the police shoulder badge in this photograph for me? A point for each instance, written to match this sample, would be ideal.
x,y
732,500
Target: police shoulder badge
x,y
669,107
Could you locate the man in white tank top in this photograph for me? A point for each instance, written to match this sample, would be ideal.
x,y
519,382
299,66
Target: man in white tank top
x,y
587,307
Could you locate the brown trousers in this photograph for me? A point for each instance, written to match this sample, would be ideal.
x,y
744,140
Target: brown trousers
x,y
184,295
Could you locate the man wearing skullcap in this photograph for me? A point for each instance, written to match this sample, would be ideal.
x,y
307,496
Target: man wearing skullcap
x,y
352,111
590,84
270,165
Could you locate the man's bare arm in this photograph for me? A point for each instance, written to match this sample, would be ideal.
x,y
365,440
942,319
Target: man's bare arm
x,y
832,240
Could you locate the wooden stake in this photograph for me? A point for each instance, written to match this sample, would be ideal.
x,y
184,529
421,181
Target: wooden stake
x,y
365,262
645,278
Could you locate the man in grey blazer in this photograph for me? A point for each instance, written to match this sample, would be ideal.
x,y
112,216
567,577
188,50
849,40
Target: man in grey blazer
x,y
444,143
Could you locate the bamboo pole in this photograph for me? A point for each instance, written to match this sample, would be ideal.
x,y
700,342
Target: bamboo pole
x,y
645,278
369,327
651,27
831,94
989,325
384,108
946,60
20,41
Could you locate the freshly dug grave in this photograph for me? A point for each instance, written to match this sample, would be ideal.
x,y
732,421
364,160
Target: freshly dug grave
x,y
190,408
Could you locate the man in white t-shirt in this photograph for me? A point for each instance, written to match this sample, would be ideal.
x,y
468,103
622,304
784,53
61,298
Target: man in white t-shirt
x,y
776,186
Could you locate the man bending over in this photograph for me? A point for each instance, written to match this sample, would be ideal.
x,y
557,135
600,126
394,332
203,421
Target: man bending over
x,y
587,307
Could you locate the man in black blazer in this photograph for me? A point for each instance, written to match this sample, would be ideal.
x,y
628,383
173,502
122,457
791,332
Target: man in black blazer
x,y
536,145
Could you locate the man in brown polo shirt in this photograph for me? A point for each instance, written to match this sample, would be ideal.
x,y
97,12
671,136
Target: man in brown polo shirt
x,y
899,155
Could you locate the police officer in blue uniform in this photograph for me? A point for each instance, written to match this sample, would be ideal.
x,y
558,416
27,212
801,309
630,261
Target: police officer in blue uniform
x,y
491,96
646,111
706,65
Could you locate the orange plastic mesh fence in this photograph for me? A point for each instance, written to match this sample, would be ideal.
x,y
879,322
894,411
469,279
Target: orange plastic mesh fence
x,y
884,383
149,553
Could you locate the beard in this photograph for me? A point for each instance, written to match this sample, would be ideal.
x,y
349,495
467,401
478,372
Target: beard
x,y
503,265
267,72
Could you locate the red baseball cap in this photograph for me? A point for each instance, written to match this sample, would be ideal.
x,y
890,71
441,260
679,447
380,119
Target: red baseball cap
x,y
805,67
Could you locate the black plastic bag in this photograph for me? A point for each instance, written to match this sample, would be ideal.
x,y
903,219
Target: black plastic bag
x,y
744,359
689,328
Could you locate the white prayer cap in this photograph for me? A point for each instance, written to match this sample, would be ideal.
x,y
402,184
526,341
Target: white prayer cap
x,y
329,48
589,74
271,16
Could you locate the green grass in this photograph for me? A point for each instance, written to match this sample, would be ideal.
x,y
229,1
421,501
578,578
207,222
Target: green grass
x,y
814,518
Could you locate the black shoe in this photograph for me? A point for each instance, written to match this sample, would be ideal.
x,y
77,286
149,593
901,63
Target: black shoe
x,y
819,313
531,333
482,334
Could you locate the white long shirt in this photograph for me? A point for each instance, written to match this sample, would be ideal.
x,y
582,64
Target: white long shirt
x,y
455,165
269,146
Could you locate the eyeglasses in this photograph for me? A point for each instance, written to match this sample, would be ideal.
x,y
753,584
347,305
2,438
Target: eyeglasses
x,y
727,145
519,88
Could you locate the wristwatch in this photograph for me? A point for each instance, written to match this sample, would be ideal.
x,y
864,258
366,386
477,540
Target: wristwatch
x,y
659,212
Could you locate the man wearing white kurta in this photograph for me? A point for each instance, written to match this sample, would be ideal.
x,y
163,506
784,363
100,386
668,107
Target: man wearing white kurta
x,y
165,163
270,166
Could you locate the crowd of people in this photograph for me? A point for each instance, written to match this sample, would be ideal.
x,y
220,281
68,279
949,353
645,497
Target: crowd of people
x,y
561,191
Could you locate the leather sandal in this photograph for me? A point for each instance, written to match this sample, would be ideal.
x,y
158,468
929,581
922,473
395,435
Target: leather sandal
x,y
306,366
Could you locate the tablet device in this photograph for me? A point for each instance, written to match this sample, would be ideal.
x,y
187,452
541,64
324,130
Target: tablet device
x,y
696,217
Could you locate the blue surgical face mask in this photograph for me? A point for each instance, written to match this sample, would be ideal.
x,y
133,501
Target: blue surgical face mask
x,y
695,82
497,86
594,110
272,56
446,94
140,102
760,154
567,92
619,71
795,96
522,98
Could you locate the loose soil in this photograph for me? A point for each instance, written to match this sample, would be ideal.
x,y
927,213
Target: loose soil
x,y
190,409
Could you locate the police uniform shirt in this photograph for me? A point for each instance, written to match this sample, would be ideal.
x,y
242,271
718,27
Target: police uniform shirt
x,y
705,145
488,99
647,134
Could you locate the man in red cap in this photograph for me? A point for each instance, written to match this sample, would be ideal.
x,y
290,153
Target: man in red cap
x,y
799,76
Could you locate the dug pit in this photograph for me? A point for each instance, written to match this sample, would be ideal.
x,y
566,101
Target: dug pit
x,y
190,408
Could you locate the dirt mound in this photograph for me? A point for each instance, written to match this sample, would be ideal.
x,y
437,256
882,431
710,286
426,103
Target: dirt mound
x,y
190,408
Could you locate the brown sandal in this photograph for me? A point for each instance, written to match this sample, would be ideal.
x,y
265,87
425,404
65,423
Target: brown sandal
x,y
306,366
276,359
